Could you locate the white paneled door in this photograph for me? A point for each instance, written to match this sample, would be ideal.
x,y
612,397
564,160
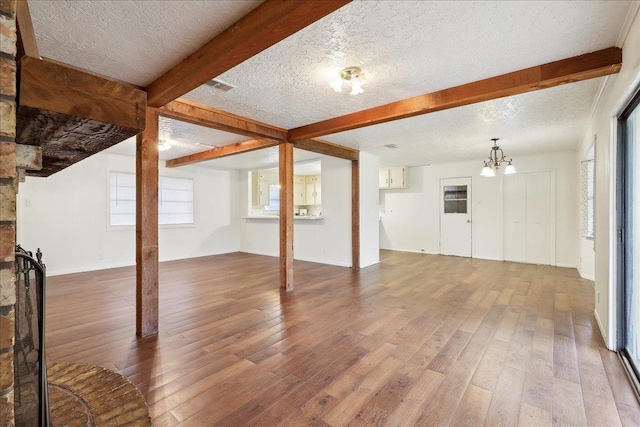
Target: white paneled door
x,y
455,216
529,217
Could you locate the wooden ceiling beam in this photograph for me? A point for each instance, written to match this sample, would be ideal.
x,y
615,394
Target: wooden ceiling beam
x,y
72,113
263,27
192,112
578,68
328,148
27,44
218,152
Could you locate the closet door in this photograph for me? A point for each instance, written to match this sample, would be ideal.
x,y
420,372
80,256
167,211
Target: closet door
x,y
515,215
540,219
529,218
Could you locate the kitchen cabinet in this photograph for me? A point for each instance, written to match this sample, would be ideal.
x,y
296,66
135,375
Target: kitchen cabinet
x,y
313,190
393,177
260,182
299,193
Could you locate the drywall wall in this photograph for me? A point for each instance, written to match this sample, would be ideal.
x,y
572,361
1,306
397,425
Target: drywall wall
x,y
617,92
66,215
410,218
369,211
326,241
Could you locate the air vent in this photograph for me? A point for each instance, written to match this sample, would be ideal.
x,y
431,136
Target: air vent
x,y
219,84
393,146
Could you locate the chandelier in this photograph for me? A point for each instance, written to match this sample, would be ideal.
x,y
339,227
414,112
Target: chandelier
x,y
354,75
496,158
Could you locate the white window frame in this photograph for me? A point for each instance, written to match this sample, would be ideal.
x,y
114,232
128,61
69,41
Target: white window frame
x,y
588,198
162,198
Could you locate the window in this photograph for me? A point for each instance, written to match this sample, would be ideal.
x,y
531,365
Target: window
x,y
274,198
455,199
175,200
586,196
122,199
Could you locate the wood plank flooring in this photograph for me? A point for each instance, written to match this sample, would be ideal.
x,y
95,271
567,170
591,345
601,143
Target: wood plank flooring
x,y
416,340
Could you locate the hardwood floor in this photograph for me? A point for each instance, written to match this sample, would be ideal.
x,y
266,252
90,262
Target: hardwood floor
x,y
416,340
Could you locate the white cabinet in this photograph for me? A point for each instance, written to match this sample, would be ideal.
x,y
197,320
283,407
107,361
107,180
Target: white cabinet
x,y
299,190
313,190
394,177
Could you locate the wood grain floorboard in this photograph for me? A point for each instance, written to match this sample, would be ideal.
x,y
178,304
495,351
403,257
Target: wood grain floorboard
x,y
418,339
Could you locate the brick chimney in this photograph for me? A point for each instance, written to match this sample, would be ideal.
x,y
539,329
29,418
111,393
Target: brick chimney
x,y
8,190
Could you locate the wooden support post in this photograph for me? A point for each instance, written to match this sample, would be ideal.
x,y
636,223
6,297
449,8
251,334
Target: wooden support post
x,y
147,227
355,214
286,216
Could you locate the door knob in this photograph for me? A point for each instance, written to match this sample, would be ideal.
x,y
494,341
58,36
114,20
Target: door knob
x,y
468,221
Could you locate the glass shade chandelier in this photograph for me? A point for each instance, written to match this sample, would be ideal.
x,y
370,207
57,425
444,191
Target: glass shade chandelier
x,y
496,158
353,75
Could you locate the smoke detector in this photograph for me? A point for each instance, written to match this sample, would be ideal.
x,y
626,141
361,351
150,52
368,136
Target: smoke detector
x,y
220,85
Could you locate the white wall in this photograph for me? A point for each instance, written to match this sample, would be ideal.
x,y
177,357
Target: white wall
x,y
66,215
411,216
326,241
603,127
369,211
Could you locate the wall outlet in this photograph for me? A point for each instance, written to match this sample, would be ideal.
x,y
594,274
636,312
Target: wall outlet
x,y
100,256
422,250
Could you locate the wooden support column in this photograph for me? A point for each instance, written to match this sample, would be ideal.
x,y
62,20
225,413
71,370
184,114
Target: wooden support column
x,y
355,214
147,227
286,216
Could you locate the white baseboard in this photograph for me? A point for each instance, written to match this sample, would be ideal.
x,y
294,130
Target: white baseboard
x,y
488,258
602,331
316,260
566,265
410,251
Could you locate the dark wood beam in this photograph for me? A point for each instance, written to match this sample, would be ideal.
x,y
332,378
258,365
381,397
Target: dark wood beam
x,y
218,152
266,25
27,44
72,113
147,227
355,214
202,115
578,68
286,216
329,148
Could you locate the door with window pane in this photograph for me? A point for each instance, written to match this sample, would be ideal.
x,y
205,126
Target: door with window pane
x,y
455,216
628,227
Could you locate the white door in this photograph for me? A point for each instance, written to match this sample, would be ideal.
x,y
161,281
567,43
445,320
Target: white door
x,y
515,217
540,219
455,216
529,218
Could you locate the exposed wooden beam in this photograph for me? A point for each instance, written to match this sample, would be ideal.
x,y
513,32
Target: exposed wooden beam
x,y
355,214
72,113
27,44
329,148
578,68
266,25
218,152
147,227
202,115
286,216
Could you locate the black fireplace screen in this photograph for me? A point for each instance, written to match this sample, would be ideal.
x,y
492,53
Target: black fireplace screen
x,y
30,368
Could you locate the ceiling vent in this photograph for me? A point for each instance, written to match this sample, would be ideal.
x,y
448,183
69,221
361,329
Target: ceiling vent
x,y
391,146
219,84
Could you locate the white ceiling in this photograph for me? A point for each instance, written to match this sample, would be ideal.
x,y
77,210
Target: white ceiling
x,y
406,48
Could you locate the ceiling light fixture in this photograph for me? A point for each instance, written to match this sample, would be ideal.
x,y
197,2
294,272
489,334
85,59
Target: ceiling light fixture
x,y
496,158
354,75
163,145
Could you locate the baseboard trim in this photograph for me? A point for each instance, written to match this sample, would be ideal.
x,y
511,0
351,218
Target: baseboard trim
x,y
566,265
602,331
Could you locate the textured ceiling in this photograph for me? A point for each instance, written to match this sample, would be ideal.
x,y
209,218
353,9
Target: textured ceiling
x,y
133,41
406,48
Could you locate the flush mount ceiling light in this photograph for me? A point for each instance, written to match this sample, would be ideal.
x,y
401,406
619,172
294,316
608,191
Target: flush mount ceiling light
x,y
163,145
353,75
496,158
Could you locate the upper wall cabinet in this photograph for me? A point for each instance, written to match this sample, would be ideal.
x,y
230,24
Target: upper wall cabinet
x,y
394,177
